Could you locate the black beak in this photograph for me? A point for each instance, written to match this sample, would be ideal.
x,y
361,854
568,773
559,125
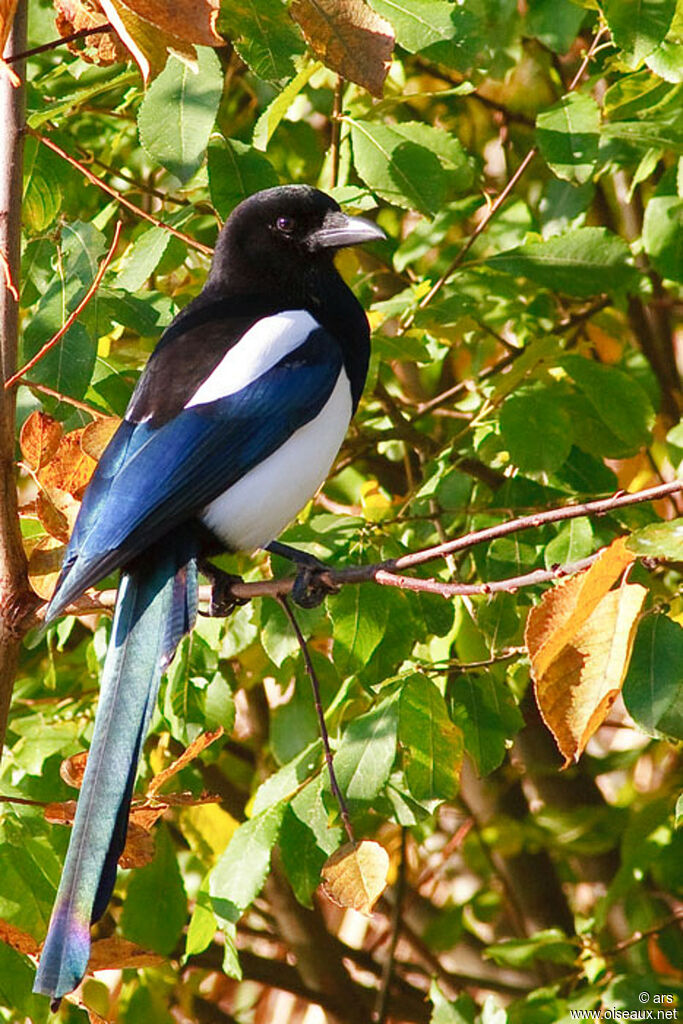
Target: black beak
x,y
339,230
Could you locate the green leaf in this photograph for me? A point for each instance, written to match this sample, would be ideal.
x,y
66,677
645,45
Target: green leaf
x,y
551,944
239,874
16,983
285,782
568,135
653,133
178,112
659,540
367,750
306,841
483,708
536,431
583,262
264,36
155,909
202,926
432,745
440,31
235,172
573,542
359,620
555,23
637,26
619,400
275,111
399,170
141,259
653,688
663,229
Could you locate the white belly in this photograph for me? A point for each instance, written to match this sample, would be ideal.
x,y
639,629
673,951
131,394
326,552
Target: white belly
x,y
257,508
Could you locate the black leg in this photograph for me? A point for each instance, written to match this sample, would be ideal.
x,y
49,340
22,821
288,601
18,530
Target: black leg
x,y
309,590
222,601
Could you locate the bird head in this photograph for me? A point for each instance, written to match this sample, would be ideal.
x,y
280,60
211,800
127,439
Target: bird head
x,y
280,236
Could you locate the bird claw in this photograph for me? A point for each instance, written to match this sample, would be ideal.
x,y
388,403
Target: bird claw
x,y
309,589
222,602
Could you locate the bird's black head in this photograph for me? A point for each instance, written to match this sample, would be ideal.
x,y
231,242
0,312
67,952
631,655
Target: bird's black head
x,y
281,237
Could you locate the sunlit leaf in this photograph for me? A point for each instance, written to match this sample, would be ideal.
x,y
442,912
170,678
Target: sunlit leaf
x,y
356,875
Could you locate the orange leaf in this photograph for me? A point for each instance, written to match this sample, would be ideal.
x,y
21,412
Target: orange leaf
x,y
72,769
21,941
70,468
349,37
194,21
61,813
562,610
39,439
139,848
97,435
103,48
148,44
195,748
580,645
116,953
7,9
44,564
355,875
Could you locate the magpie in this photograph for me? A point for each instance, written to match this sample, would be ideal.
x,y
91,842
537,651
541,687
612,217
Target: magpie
x,y
232,427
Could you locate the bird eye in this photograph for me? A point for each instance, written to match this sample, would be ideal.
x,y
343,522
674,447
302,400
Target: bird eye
x,y
285,224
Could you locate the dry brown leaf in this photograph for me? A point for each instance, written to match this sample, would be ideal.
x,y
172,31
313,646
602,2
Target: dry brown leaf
x,y
21,941
139,848
52,519
60,813
148,44
70,468
577,689
355,875
97,435
349,37
195,748
72,769
561,612
116,953
39,439
7,9
44,566
103,48
194,21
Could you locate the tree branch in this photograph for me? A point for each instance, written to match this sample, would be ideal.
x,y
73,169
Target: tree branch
x,y
16,599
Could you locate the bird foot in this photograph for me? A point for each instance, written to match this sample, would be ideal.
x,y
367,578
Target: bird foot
x,y
309,589
222,600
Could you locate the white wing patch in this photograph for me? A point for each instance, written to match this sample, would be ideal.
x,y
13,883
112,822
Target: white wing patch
x,y
263,345
257,508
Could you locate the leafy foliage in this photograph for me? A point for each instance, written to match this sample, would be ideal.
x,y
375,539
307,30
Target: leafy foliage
x,y
526,329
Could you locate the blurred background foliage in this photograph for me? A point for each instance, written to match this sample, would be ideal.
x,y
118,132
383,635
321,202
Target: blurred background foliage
x,y
543,368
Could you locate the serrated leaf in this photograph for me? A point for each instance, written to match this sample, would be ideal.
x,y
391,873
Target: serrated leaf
x,y
483,708
39,439
285,782
359,619
619,400
276,111
431,743
659,540
583,262
367,750
355,876
263,35
536,431
568,135
177,114
637,26
141,258
235,172
445,32
400,171
239,875
349,38
653,688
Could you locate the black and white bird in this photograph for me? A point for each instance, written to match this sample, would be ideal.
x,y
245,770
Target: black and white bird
x,y
232,427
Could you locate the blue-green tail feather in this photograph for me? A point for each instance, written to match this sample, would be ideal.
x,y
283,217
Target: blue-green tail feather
x,y
156,606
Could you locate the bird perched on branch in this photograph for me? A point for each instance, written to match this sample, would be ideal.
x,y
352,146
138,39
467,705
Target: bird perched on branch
x,y
232,427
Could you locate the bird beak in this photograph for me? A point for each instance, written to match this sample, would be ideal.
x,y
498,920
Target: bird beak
x,y
339,230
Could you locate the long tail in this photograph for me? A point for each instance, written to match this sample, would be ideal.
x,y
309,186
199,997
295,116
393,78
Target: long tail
x,y
155,607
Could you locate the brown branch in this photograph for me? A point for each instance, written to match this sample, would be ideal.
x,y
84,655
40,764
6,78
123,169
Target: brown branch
x,y
16,599
94,180
72,317
54,43
53,393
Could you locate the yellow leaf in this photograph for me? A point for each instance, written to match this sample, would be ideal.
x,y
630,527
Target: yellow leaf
x,y
44,565
148,44
577,688
563,610
97,435
39,439
349,38
355,875
117,953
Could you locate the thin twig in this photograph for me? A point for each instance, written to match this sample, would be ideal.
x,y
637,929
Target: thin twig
x,y
81,34
380,1014
117,195
7,273
72,317
53,393
335,130
334,785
